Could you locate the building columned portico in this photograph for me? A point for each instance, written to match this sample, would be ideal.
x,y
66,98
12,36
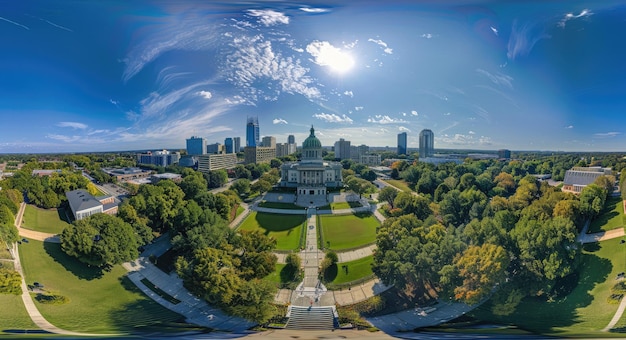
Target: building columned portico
x,y
312,177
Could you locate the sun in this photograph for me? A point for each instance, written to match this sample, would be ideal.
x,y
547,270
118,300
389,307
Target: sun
x,y
340,61
325,54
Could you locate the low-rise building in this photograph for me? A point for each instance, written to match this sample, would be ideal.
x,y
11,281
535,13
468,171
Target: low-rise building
x,y
156,178
127,174
208,163
159,158
370,160
578,178
83,204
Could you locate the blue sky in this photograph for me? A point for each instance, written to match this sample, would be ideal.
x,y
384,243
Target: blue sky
x,y
119,75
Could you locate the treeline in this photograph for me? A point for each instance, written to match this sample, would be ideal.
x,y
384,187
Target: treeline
x,y
10,280
476,228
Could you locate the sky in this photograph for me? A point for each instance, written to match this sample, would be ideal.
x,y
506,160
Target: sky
x,y
86,76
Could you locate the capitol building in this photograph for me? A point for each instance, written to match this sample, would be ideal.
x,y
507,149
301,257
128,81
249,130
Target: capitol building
x,y
312,176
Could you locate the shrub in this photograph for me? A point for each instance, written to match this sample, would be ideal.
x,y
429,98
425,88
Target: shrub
x,y
51,299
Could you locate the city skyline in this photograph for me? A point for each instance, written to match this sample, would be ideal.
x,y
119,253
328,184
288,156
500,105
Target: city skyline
x,y
89,77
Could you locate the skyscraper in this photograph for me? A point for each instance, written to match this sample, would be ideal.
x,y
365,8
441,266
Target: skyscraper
x,y
291,139
269,141
402,138
236,144
427,143
228,143
291,144
252,132
196,146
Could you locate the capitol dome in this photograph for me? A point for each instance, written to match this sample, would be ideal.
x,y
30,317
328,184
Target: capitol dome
x,y
311,142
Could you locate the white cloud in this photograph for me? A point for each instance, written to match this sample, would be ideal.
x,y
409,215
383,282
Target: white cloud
x,y
447,114
325,54
114,102
349,93
14,23
333,118
402,128
472,132
464,140
414,113
494,30
63,138
383,44
403,114
205,94
313,10
73,125
350,45
606,134
269,17
569,127
499,78
427,36
279,121
570,16
358,108
523,38
384,119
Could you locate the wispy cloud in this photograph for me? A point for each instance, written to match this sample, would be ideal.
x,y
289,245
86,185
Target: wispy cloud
x,y
427,36
349,93
333,118
56,25
481,112
569,16
325,54
414,113
279,121
313,10
523,38
606,134
205,94
404,129
269,17
73,125
464,140
385,119
499,78
494,30
383,44
569,127
14,23
358,108
158,105
114,102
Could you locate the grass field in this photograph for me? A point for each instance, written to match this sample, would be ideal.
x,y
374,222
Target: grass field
x,y
100,302
4,252
348,231
400,184
611,216
344,205
48,221
350,271
280,205
13,315
583,312
286,229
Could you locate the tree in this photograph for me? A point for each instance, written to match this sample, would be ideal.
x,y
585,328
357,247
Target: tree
x,y
261,186
359,185
10,282
216,178
369,175
481,268
128,214
388,194
193,184
241,186
100,240
275,163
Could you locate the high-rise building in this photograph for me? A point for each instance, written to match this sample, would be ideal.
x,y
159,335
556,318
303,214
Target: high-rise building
x,y
237,144
228,144
282,149
291,145
402,141
258,154
160,158
357,151
504,153
269,142
291,139
215,148
196,146
252,132
427,143
208,163
342,149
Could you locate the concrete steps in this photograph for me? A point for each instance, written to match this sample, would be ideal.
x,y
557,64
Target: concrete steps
x,y
312,318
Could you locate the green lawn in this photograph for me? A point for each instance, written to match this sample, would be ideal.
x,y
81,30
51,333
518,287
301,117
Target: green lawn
x,y
583,312
100,302
45,220
611,216
350,271
344,205
4,252
13,315
348,231
280,205
400,184
286,229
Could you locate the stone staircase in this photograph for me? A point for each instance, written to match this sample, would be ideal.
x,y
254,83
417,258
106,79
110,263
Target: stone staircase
x,y
312,318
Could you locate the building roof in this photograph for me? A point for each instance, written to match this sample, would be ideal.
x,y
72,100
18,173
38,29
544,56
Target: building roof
x,y
311,142
81,200
577,177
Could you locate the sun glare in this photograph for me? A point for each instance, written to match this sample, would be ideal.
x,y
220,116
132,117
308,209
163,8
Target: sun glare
x,y
328,55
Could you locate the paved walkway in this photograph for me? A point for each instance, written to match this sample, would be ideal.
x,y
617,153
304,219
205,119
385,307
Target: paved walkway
x,y
617,316
311,290
601,236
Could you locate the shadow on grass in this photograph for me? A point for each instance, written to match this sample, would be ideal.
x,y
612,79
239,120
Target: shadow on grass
x,y
288,274
330,274
275,222
537,315
147,316
63,215
605,216
71,264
